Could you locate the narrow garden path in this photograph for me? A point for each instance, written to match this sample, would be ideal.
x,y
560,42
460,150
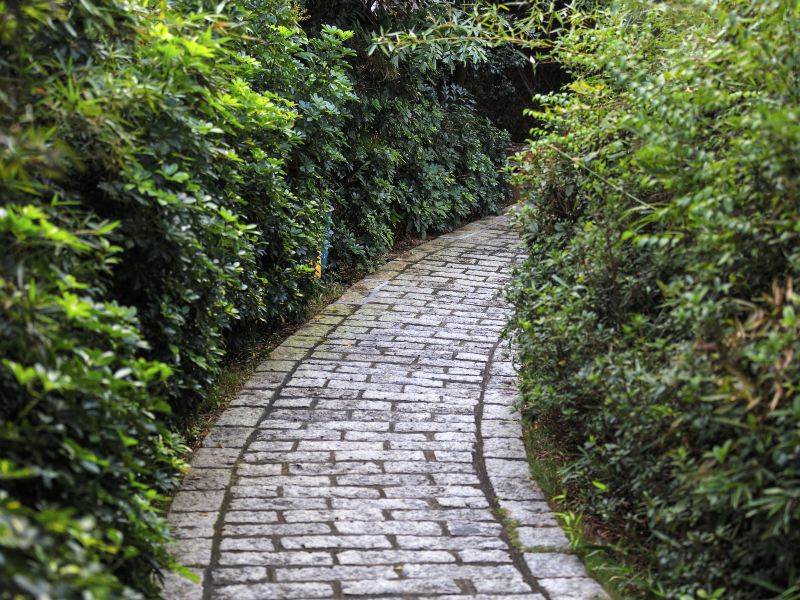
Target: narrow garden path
x,y
376,454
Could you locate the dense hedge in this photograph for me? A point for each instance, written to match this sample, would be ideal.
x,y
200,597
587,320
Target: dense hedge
x,y
418,157
166,173
656,315
424,163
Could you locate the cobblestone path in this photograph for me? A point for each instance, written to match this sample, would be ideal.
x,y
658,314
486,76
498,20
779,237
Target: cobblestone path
x,y
376,454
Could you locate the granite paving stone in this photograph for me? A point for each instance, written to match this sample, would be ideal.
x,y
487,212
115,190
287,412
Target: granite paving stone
x,y
377,453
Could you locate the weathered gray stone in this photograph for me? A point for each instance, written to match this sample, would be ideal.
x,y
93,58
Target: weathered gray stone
x,y
389,527
501,585
485,556
269,591
255,503
504,448
238,575
506,572
405,586
474,528
450,543
210,456
335,573
454,514
554,564
493,597
311,516
275,558
194,501
463,502
270,529
250,516
313,542
517,469
573,589
193,524
179,587
542,537
227,437
192,552
516,489
501,428
384,503
254,544
282,366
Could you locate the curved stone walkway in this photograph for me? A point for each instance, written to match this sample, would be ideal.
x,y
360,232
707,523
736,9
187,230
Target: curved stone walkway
x,y
376,454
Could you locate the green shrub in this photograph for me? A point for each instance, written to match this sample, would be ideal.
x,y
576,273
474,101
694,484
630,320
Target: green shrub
x,y
83,454
656,316
177,135
146,209
419,158
418,164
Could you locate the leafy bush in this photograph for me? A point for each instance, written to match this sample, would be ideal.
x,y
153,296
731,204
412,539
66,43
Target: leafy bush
x,y
419,164
146,210
168,173
419,158
656,316
84,456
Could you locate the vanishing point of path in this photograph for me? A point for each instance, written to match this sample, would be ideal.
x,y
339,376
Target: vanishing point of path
x,y
376,453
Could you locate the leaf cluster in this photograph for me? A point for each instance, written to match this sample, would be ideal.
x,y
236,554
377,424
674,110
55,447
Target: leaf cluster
x,y
656,314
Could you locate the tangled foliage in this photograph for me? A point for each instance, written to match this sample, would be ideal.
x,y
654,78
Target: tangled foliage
x,y
168,172
84,454
419,158
656,315
145,209
421,162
